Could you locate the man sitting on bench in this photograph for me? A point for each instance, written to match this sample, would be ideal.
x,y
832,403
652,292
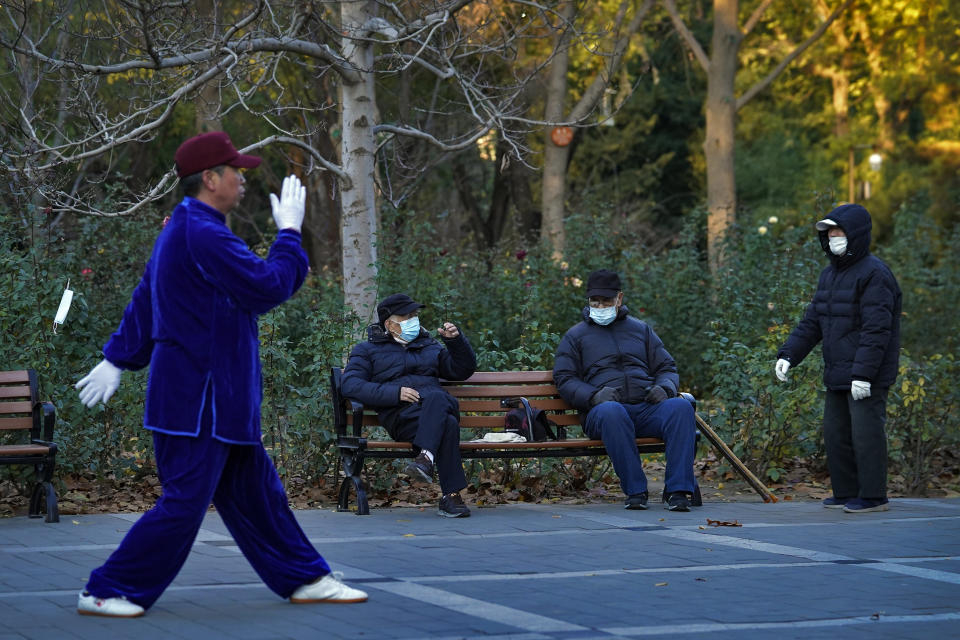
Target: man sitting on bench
x,y
616,371
397,371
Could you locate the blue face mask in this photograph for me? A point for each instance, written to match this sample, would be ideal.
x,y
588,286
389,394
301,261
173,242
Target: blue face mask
x,y
603,315
409,328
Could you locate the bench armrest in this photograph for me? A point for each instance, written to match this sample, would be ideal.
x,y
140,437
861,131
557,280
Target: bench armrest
x,y
44,418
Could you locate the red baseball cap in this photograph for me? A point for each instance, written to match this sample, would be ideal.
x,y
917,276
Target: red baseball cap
x,y
209,150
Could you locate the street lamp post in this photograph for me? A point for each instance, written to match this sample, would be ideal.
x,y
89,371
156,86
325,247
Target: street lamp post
x,y
875,160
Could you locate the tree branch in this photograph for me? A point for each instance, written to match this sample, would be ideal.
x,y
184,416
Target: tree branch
x,y
687,35
755,16
591,96
763,84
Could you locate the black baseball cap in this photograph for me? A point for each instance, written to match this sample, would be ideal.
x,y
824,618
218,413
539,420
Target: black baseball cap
x,y
603,283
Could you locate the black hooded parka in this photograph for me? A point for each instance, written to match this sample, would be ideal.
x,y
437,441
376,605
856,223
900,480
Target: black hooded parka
x,y
855,311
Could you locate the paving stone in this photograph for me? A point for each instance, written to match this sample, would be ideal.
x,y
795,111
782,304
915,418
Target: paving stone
x,y
529,572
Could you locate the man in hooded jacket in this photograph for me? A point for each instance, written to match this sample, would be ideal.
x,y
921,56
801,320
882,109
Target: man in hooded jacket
x,y
855,311
397,371
616,371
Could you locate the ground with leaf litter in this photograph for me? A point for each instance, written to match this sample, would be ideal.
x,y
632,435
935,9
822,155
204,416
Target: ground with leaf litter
x,y
503,485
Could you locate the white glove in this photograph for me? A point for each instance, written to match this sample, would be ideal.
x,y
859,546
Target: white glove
x,y
288,211
99,384
860,389
781,369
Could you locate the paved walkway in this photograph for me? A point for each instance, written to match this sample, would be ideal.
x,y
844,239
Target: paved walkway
x,y
529,572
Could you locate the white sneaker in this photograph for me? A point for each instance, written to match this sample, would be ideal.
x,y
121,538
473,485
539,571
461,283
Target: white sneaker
x,y
88,605
328,589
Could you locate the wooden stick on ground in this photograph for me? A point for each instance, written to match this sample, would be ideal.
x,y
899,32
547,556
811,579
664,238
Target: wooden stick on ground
x,y
741,468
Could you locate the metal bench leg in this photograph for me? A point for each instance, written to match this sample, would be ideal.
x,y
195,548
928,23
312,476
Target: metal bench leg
x,y
44,492
351,455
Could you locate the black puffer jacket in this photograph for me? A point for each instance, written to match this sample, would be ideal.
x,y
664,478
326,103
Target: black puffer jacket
x,y
855,311
378,368
625,353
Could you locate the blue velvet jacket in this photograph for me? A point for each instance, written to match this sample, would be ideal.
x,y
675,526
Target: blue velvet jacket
x,y
193,319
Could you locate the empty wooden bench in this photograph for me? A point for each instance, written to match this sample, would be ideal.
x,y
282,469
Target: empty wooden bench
x,y
480,411
21,412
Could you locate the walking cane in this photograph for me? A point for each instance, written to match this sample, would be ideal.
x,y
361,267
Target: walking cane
x,y
741,468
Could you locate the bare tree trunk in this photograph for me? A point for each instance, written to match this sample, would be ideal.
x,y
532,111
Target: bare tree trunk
x,y
555,157
881,103
360,222
721,114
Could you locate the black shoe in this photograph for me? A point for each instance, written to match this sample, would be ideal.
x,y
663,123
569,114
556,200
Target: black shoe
x,y
451,506
420,469
677,501
636,501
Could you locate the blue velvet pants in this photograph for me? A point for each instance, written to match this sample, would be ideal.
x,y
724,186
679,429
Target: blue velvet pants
x,y
671,420
243,485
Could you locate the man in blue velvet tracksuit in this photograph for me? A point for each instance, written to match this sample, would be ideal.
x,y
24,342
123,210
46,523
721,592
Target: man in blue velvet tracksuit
x,y
193,319
856,313
615,370
397,371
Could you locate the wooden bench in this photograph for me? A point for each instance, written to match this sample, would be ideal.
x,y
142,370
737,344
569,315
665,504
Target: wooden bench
x,y
480,410
21,411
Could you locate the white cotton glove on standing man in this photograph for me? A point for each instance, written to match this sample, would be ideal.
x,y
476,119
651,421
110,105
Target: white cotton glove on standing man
x,y
860,389
289,209
99,384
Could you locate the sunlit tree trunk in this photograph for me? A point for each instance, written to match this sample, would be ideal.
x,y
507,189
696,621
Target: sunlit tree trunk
x,y
555,157
359,225
721,117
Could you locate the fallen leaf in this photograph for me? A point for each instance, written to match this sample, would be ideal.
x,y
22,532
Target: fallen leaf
x,y
660,584
409,535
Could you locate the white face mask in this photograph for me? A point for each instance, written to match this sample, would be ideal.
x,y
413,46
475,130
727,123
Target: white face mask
x,y
838,245
603,315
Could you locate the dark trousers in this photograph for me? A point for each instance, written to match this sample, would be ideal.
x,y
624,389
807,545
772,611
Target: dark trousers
x,y
855,438
672,420
434,424
243,485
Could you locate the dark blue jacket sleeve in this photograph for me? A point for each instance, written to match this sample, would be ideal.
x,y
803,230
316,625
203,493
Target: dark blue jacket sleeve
x,y
662,366
567,372
357,383
131,345
805,335
876,328
457,361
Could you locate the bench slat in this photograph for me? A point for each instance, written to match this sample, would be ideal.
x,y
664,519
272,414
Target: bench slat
x,y
12,450
16,407
570,443
12,377
547,404
492,422
507,377
530,391
10,424
14,392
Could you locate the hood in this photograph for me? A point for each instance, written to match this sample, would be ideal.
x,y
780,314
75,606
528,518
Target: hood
x,y
622,313
856,223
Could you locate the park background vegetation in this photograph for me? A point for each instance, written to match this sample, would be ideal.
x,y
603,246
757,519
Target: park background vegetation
x,y
635,202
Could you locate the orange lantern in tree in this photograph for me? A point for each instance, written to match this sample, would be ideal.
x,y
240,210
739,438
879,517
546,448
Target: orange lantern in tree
x,y
561,136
